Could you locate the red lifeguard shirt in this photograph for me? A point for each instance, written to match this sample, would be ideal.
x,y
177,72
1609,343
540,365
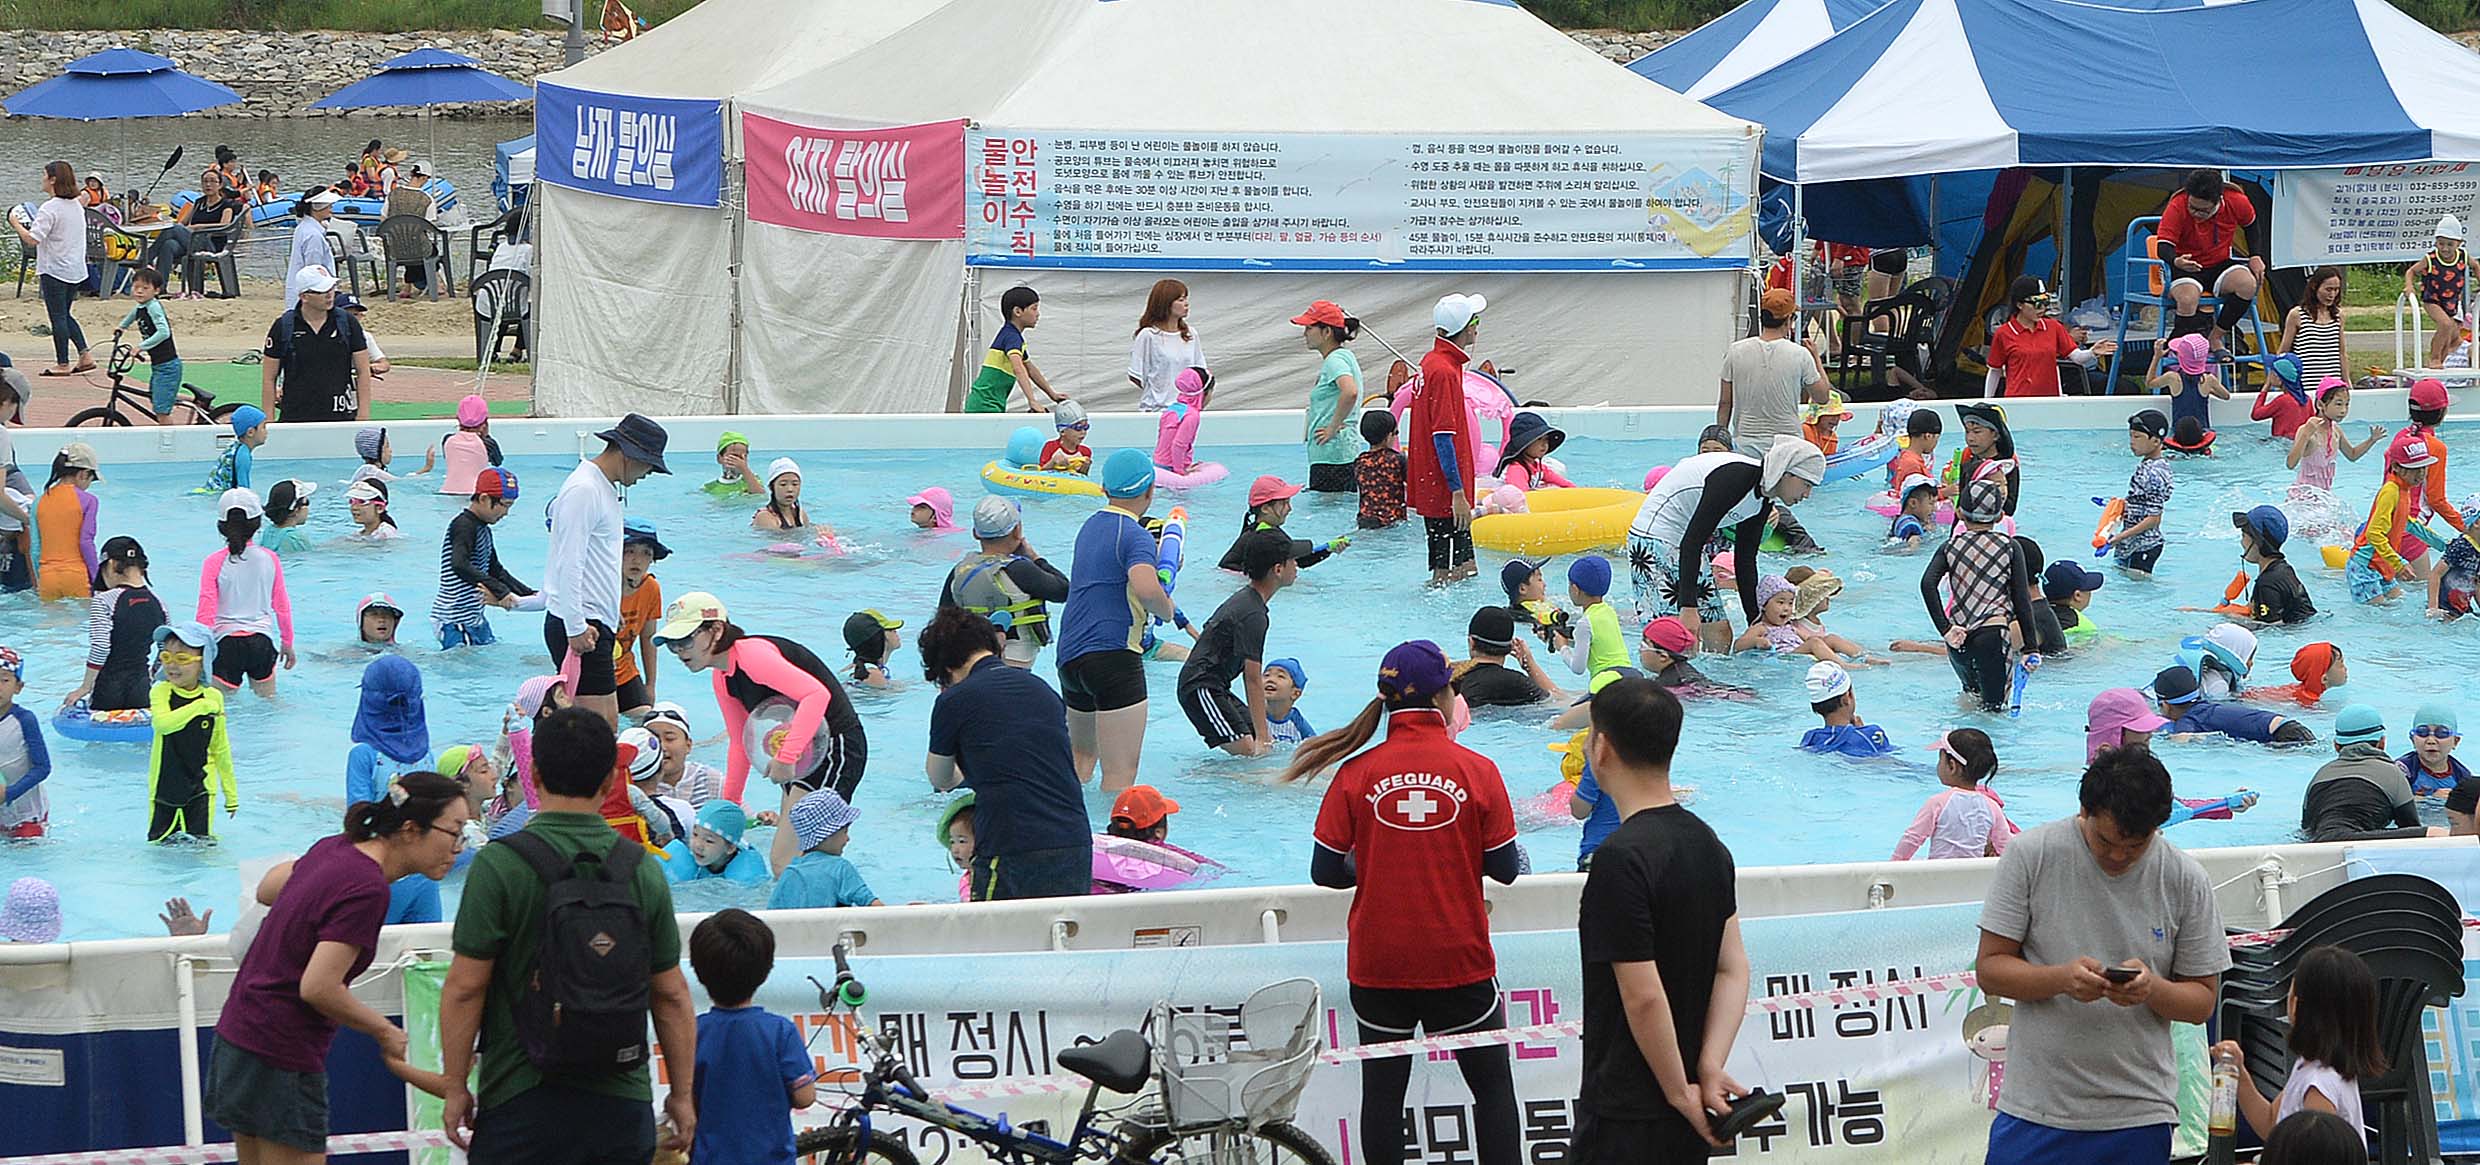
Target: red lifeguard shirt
x,y
1417,812
2030,356
2208,241
1438,407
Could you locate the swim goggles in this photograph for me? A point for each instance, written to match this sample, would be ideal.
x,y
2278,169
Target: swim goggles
x,y
1079,427
181,657
2434,732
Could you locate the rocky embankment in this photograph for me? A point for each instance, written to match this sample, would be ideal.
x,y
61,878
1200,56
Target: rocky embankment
x,y
278,74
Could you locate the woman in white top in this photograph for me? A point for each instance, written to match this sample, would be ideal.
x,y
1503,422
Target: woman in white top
x,y
58,236
1164,347
2333,1018
310,245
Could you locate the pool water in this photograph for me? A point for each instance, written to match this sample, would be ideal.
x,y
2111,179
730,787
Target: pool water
x,y
1770,803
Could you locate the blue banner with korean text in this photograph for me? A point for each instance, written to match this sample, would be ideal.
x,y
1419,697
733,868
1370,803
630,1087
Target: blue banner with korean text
x,y
652,149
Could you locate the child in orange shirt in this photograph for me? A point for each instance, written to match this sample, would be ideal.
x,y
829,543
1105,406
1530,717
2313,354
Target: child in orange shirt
x,y
641,611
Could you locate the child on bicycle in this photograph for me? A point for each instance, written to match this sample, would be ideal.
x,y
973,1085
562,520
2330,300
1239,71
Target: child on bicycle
x,y
753,1069
146,286
232,470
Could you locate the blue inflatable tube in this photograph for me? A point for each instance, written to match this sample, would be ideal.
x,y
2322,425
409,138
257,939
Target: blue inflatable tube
x,y
77,723
1869,453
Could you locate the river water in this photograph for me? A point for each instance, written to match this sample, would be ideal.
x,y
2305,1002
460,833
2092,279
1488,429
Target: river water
x,y
302,151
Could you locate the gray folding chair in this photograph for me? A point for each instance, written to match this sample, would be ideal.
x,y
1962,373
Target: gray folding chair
x,y
411,240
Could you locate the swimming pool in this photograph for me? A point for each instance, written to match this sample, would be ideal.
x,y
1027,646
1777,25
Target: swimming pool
x,y
1772,804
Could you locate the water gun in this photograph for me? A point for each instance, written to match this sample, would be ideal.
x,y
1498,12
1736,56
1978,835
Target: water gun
x,y
1170,545
2210,808
2023,676
2231,603
2113,511
1336,544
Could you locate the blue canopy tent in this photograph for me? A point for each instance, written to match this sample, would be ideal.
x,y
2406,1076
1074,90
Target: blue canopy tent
x,y
1944,93
118,83
1746,41
513,172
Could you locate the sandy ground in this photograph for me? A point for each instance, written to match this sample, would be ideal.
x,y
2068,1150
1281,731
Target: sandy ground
x,y
212,331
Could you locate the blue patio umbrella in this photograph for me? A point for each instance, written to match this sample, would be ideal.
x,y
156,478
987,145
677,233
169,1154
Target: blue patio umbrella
x,y
426,77
118,83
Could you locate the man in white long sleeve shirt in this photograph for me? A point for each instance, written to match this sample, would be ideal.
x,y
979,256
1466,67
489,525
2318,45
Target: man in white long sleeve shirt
x,y
581,578
310,244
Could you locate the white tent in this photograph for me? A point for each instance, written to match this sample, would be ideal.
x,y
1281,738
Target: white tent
x,y
636,302
831,322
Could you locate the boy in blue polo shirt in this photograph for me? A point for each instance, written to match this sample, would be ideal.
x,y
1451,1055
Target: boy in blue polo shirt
x,y
752,1068
2183,704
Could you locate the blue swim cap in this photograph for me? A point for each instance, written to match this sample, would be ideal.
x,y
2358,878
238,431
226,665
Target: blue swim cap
x,y
1127,473
1291,667
2358,724
1590,574
1024,446
246,418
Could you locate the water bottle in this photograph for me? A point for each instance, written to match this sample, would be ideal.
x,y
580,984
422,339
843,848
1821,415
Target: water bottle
x,y
2224,1121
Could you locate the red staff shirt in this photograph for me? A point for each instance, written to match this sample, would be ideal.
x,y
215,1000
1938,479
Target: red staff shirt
x,y
1438,407
1417,812
2206,241
2030,356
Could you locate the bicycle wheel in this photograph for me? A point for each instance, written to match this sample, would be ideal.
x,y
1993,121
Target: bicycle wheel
x,y
1277,1143
220,415
106,417
833,1145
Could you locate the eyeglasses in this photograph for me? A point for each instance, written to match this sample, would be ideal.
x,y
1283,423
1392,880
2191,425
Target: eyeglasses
x,y
458,834
183,658
2434,732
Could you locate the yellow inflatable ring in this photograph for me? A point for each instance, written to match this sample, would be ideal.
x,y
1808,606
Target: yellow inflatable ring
x,y
1002,478
1562,521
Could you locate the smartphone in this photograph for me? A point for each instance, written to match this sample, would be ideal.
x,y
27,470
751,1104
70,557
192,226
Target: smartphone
x,y
2120,974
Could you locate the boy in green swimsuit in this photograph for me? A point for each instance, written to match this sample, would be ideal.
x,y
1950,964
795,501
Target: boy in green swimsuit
x,y
1006,363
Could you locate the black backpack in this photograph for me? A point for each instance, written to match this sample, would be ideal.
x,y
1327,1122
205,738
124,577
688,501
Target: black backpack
x,y
583,1011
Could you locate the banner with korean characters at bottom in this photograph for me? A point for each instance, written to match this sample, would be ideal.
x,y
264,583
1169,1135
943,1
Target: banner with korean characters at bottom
x,y
2369,214
889,182
650,149
1342,202
1890,1080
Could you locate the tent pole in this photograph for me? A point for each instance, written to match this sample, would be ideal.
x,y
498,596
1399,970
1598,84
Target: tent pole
x,y
736,207
1799,258
2066,220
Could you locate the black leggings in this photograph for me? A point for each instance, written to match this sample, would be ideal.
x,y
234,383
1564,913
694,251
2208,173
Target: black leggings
x,y
1981,664
1448,546
1389,1014
1333,479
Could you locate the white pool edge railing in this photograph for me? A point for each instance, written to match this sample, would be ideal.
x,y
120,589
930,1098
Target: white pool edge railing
x,y
693,437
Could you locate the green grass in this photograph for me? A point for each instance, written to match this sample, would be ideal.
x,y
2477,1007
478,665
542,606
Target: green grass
x,y
461,364
439,410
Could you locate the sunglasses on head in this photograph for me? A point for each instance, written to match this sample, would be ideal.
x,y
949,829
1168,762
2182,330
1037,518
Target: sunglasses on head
x,y
2434,732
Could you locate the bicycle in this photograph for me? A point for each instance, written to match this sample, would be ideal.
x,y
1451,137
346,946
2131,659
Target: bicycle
x,y
1164,1126
196,403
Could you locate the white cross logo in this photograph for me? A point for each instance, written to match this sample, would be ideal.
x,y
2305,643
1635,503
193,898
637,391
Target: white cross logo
x,y
1417,806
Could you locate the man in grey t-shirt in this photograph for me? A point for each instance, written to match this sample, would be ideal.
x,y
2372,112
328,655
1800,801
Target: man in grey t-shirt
x,y
2103,935
1766,378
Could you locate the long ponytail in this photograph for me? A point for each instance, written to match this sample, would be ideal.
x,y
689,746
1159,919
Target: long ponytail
x,y
412,799
237,529
1326,748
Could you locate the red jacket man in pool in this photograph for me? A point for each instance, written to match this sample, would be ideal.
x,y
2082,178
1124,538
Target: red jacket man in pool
x,y
1439,440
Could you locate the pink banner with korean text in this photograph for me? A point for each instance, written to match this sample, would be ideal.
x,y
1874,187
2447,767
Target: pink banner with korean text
x,y
887,182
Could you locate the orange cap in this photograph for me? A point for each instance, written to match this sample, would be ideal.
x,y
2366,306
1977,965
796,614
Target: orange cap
x,y
1777,302
1143,806
2313,662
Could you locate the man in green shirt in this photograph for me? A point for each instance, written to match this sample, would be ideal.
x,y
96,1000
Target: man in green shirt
x,y
525,1116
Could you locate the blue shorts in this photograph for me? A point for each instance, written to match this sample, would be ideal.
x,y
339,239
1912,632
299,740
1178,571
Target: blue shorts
x,y
2360,571
165,383
2015,1141
455,635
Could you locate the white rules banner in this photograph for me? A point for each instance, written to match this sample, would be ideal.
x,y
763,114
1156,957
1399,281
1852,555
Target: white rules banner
x,y
1307,202
2368,214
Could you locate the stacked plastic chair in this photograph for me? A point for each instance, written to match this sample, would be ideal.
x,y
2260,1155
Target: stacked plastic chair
x,y
2409,930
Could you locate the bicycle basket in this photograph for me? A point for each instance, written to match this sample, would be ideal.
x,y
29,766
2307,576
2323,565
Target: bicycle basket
x,y
1208,1082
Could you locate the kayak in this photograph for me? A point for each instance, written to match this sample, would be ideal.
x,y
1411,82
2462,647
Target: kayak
x,y
360,210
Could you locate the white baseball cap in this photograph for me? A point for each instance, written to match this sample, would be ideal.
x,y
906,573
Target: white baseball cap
x,y
1455,312
1827,681
316,278
2450,227
242,499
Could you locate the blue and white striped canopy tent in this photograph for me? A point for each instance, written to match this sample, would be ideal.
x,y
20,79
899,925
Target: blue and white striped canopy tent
x,y
1941,86
1746,41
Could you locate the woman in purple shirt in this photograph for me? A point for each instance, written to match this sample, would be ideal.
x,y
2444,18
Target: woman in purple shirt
x,y
267,1078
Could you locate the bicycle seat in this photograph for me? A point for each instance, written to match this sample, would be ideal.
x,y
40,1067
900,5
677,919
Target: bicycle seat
x,y
204,397
1121,1062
